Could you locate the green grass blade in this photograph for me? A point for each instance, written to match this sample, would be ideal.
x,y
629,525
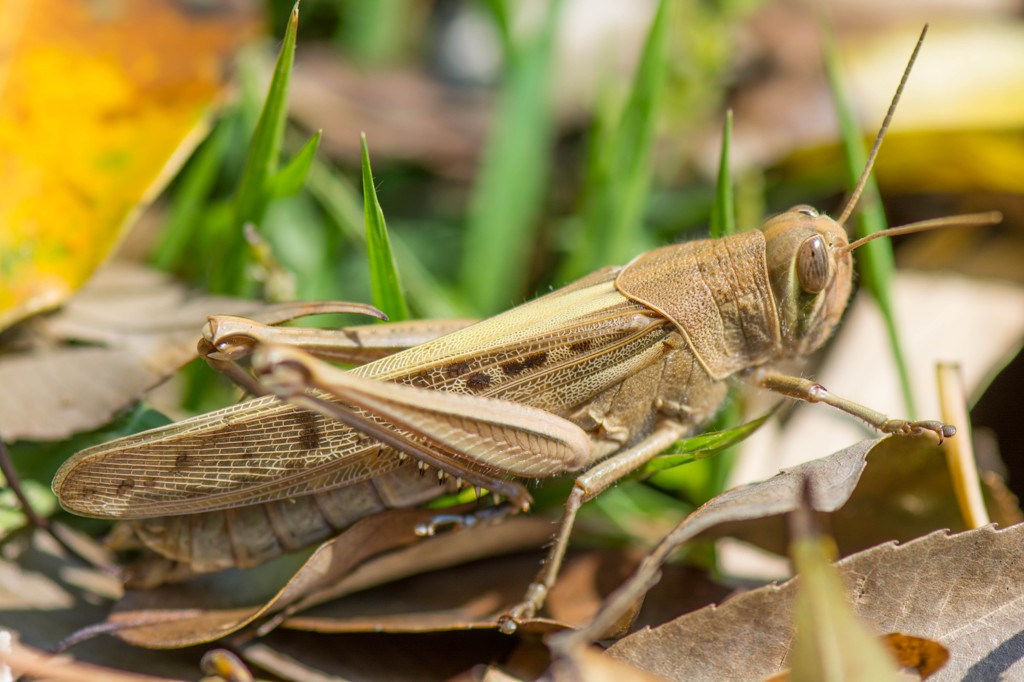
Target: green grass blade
x,y
635,140
290,179
502,13
387,287
506,200
228,274
875,260
265,150
340,202
723,213
620,167
701,446
722,224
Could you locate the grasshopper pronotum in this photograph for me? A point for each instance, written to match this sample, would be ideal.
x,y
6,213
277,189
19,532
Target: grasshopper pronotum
x,y
596,377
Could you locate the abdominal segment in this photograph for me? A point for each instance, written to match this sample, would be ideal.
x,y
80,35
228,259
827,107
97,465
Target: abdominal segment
x,y
247,536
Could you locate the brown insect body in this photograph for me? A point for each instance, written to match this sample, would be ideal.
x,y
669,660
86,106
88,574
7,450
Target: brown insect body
x,y
751,298
613,353
597,377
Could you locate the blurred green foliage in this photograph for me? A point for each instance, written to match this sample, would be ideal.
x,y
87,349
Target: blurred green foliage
x,y
515,207
385,281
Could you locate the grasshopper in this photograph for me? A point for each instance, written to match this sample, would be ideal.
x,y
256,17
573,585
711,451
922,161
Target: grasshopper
x,y
597,377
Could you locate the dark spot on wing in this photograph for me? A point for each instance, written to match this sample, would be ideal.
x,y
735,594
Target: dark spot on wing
x,y
536,360
456,369
513,368
126,486
309,436
182,461
531,362
477,381
580,346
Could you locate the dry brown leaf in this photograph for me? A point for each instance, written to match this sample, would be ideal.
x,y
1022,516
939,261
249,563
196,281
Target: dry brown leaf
x,y
62,392
45,597
832,479
468,596
124,300
147,326
25,660
963,591
447,549
904,492
591,664
461,598
216,605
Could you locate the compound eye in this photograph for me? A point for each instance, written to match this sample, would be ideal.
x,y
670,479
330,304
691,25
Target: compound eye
x,y
812,264
807,211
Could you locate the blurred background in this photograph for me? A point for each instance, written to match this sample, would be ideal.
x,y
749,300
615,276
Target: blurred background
x,y
148,179
515,146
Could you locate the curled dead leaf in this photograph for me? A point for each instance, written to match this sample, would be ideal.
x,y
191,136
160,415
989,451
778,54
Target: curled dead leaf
x,y
962,591
141,326
215,605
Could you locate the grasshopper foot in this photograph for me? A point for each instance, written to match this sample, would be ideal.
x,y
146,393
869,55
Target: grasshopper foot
x,y
445,522
526,609
905,428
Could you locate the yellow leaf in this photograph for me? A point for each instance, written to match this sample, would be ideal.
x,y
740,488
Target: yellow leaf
x,y
99,103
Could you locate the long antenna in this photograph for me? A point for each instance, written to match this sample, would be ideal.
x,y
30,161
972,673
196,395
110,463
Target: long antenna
x,y
967,220
859,188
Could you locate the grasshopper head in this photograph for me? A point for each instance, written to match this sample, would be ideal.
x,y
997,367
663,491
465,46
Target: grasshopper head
x,y
808,254
810,270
